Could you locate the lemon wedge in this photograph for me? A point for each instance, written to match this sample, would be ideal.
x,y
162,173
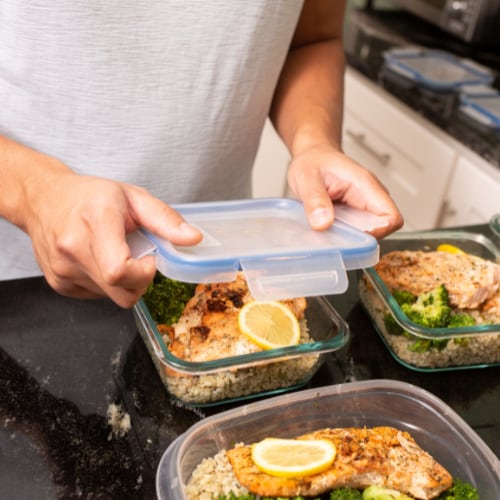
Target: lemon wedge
x,y
446,247
269,324
293,457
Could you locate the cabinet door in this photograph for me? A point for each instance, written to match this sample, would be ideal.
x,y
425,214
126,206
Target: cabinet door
x,y
410,158
473,196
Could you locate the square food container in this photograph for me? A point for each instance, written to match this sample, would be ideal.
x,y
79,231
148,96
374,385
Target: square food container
x,y
466,347
433,424
257,374
436,69
270,240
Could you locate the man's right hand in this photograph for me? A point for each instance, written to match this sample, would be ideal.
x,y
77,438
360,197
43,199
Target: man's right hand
x,y
78,225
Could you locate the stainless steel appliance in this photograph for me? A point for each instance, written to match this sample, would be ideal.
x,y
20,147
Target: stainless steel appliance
x,y
474,21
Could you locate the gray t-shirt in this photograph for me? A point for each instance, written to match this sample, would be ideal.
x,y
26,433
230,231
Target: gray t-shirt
x,y
170,95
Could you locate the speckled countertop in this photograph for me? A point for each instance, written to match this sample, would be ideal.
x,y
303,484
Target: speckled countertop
x,y
67,366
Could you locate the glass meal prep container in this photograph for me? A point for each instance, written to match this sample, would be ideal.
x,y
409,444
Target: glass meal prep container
x,y
236,378
475,346
281,257
433,424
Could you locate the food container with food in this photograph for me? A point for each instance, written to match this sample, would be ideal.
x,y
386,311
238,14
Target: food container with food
x,y
269,241
436,69
434,349
495,228
482,107
435,427
241,377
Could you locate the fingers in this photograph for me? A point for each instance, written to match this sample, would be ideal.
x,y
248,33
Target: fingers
x,y
319,179
159,218
310,189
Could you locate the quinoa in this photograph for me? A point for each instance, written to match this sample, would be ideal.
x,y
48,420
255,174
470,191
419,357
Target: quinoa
x,y
212,477
472,350
237,382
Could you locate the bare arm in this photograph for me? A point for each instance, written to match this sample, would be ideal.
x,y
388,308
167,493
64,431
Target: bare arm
x,y
77,224
307,112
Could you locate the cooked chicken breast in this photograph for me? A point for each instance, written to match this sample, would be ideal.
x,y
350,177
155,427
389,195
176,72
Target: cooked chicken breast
x,y
470,280
208,327
382,456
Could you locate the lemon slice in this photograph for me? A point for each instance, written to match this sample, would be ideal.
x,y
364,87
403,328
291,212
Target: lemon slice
x,y
293,457
446,247
269,324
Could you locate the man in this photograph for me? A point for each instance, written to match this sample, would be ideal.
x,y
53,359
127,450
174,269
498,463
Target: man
x,y
113,109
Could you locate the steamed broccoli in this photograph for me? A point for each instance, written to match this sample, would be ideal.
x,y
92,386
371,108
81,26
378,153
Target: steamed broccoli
x,y
391,325
459,491
404,297
346,494
461,319
425,345
166,298
431,309
382,493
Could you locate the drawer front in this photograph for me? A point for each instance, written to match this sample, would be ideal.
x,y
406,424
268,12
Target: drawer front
x,y
407,131
473,196
417,189
412,162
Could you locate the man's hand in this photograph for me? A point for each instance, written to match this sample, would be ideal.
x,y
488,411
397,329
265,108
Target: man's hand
x,y
78,225
321,175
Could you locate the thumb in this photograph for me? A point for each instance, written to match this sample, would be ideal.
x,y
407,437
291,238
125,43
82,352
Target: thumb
x,y
316,200
159,218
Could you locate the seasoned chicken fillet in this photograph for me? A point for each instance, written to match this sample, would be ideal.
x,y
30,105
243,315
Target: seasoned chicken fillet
x,y
470,280
381,456
208,327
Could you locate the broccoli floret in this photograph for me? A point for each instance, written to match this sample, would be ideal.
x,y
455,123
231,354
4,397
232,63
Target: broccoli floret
x,y
404,297
459,490
460,319
431,309
166,298
346,494
425,345
382,493
391,325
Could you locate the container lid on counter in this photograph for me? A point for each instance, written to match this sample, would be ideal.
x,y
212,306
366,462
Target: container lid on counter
x,y
270,240
482,108
436,69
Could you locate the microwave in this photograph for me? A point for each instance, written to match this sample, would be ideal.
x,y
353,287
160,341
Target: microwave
x,y
473,21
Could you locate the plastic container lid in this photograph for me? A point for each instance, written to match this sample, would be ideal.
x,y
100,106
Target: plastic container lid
x,y
436,69
271,241
484,109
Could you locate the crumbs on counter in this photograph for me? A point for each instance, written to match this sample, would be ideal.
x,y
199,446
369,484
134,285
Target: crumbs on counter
x,y
119,420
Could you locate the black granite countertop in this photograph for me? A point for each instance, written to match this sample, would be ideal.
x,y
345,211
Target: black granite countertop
x,y
65,364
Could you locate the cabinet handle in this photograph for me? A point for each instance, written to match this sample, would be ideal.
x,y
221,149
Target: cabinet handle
x,y
360,139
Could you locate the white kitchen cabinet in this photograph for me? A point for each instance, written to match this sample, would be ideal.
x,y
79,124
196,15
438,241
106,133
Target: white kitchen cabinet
x,y
473,195
436,181
409,155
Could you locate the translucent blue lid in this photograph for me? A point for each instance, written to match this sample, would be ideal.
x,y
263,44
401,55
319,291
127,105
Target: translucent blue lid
x,y
271,241
484,109
436,69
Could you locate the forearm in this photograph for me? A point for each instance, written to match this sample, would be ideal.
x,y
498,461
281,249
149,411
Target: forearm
x,y
23,172
308,103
